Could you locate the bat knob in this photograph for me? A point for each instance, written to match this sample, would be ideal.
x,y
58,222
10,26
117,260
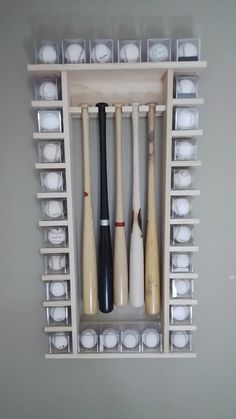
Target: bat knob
x,y
101,105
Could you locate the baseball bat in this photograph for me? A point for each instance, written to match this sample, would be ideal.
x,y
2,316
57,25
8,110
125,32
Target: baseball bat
x,y
152,274
136,268
89,263
105,280
120,264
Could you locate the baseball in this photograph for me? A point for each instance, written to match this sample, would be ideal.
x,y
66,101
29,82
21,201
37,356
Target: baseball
x,y
187,49
48,91
130,339
181,206
57,262
110,338
53,209
184,150
186,87
180,339
59,340
180,313
52,152
182,234
181,260
58,314
158,52
129,53
53,181
182,286
182,178
58,289
150,338
185,119
75,53
57,235
101,54
88,338
48,54
50,121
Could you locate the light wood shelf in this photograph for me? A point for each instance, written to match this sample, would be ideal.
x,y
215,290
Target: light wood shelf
x,y
53,223
182,302
188,102
57,303
185,192
181,248
51,195
48,136
123,355
184,221
54,250
56,277
183,275
50,166
186,163
187,133
182,328
55,329
46,104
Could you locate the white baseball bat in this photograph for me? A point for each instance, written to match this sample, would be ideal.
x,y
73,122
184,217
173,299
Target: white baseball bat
x,y
136,268
152,274
89,264
120,268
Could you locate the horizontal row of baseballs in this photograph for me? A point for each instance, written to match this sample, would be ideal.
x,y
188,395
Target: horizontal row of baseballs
x,y
111,339
55,181
184,119
49,88
74,51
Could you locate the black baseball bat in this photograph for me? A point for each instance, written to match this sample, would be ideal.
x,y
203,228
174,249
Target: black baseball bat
x,y
105,280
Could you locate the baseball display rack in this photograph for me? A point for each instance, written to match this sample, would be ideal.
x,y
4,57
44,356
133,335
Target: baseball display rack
x,y
155,318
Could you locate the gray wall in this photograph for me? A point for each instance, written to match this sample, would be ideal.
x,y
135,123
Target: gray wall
x,y
35,388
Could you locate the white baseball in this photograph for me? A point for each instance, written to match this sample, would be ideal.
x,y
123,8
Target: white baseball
x,y
58,289
53,181
182,178
48,54
130,339
180,339
185,119
186,86
48,90
182,286
75,53
158,52
181,260
182,234
181,206
101,53
59,340
57,262
187,49
50,121
88,338
53,209
58,314
180,313
52,152
184,150
57,235
150,337
110,338
129,53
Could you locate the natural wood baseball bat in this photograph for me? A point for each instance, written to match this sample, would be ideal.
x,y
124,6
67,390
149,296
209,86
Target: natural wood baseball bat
x,y
105,281
152,274
89,263
120,264
136,268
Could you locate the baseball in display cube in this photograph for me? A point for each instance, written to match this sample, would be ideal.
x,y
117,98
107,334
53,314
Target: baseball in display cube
x,y
54,209
47,52
181,288
130,339
57,316
88,340
109,339
55,236
182,234
185,149
73,51
129,51
188,49
52,181
101,51
56,264
181,314
186,118
159,50
181,341
47,88
151,338
183,178
181,207
50,152
186,86
57,290
49,121
59,342
181,262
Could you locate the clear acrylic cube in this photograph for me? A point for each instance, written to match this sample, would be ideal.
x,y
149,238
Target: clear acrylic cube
x,y
129,51
59,342
50,152
182,207
186,87
182,314
58,316
49,120
158,50
182,234
109,339
47,88
183,178
130,339
181,341
101,51
88,339
57,290
181,288
181,262
54,209
56,236
186,118
47,52
56,264
74,51
188,49
52,181
151,338
184,149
